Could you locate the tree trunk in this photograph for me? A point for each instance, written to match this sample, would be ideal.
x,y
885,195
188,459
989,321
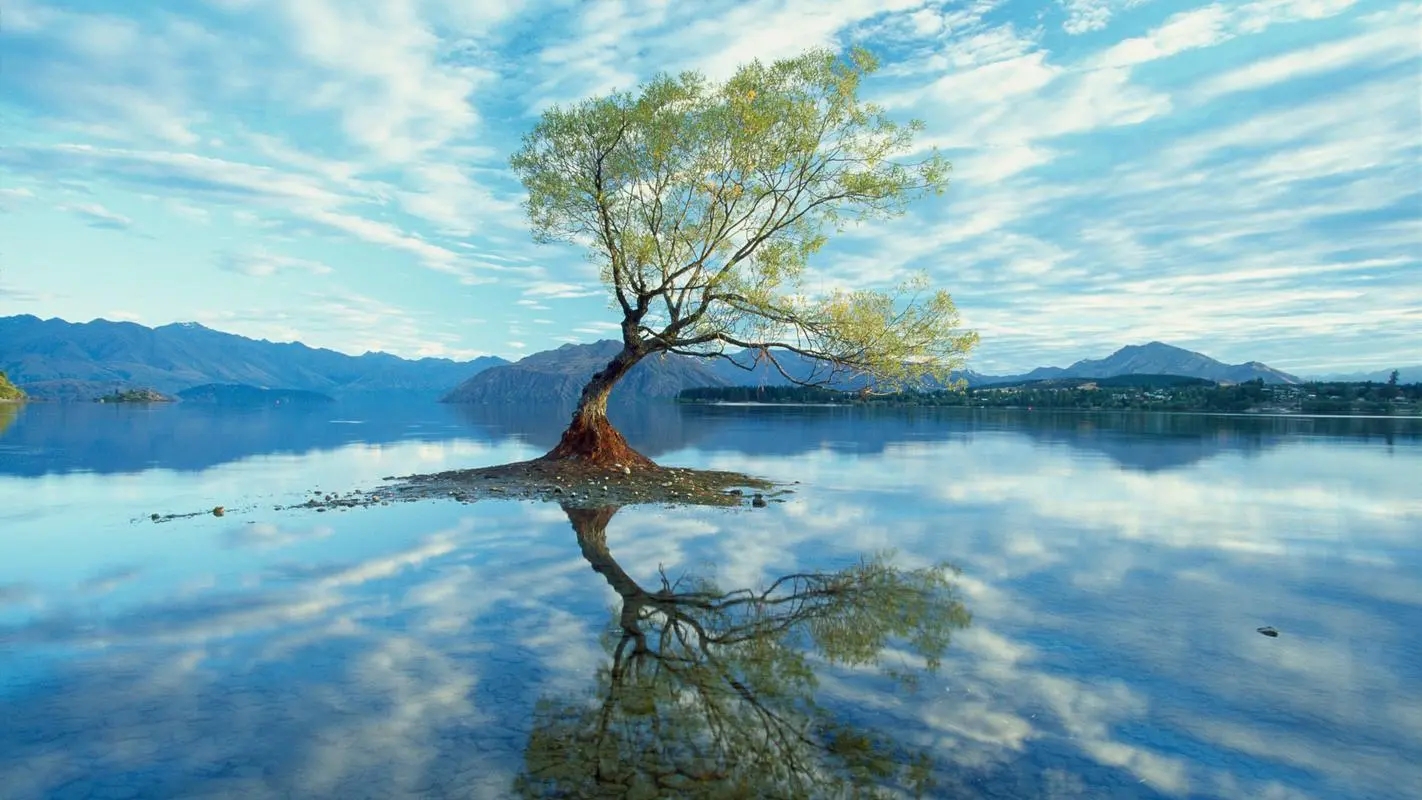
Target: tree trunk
x,y
590,437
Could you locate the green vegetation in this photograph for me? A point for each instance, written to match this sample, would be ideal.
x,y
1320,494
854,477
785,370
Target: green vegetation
x,y
1128,393
9,392
702,203
134,396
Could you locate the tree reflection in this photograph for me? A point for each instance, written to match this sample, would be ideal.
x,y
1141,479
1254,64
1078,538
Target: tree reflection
x,y
9,412
712,694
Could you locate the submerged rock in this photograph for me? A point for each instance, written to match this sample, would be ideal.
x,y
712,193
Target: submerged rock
x,y
1268,630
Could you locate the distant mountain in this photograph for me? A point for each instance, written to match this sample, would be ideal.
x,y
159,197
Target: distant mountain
x,y
1156,358
236,394
1404,375
764,373
1135,380
558,376
55,359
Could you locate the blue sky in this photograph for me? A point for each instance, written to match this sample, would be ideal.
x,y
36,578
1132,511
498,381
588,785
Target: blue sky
x,y
1243,179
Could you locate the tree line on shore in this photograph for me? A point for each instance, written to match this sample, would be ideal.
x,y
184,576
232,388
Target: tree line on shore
x,y
1178,395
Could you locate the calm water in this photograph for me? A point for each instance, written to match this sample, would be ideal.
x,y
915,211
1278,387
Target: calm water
x,y
1098,640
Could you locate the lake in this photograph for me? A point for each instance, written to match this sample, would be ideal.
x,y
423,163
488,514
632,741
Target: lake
x,y
1096,635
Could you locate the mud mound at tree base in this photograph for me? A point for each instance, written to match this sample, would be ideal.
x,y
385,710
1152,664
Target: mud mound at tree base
x,y
571,484
577,484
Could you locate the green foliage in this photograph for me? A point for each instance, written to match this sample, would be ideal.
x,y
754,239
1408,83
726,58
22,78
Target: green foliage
x,y
702,204
710,693
133,396
1187,395
9,391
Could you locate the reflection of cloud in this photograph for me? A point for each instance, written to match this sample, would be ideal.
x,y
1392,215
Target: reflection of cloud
x,y
16,594
266,535
109,580
1113,641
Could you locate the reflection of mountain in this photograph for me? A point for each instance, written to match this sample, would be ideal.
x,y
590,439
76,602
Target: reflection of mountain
x,y
1144,442
714,694
99,438
237,394
50,438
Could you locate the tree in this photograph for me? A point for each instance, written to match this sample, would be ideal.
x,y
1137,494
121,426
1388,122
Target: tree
x,y
1392,379
702,203
712,694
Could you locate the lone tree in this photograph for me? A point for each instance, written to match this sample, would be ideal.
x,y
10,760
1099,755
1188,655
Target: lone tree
x,y
702,203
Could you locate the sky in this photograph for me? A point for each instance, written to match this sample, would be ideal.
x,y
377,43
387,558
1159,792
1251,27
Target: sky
x,y
1240,178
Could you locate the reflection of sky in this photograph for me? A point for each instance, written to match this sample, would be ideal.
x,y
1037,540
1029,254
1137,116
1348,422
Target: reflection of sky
x,y
399,649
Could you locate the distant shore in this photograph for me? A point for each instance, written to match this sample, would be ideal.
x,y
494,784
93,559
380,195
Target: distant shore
x,y
1158,393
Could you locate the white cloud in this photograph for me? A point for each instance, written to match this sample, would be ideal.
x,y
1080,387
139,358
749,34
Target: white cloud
x,y
1212,24
96,216
1390,38
560,291
601,330
262,264
11,199
397,88
1085,16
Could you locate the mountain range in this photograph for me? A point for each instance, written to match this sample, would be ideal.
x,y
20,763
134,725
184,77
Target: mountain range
x,y
1155,358
54,359
559,375
57,360
1404,375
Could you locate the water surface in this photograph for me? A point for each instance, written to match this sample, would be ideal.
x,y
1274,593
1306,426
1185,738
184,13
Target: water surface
x,y
1098,638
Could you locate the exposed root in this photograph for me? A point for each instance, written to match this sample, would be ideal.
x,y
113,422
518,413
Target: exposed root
x,y
595,442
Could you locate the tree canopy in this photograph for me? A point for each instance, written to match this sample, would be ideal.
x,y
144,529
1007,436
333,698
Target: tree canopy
x,y
702,204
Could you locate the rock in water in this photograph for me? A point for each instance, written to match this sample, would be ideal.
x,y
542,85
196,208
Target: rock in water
x,y
1268,630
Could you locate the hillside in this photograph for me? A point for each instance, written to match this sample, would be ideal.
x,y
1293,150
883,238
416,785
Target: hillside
x,y
1133,381
558,376
8,391
55,359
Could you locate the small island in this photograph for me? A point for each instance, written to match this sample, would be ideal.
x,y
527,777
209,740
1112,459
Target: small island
x,y
134,396
244,396
9,392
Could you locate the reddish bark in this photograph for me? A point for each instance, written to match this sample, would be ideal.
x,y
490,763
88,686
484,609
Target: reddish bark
x,y
590,437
